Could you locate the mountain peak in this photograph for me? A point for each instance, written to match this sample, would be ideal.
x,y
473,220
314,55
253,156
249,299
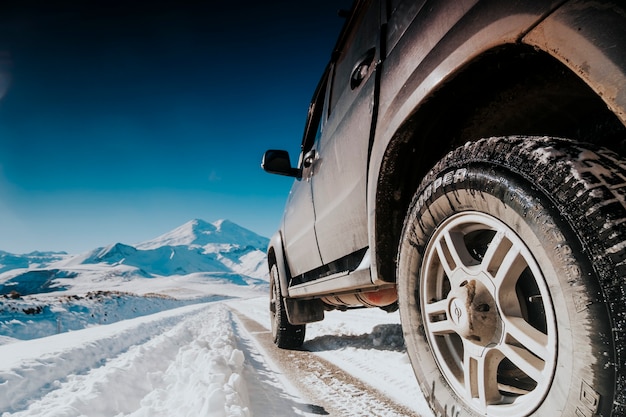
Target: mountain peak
x,y
198,232
218,224
200,223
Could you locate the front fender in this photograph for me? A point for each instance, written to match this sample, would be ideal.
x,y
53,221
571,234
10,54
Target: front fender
x,y
576,34
276,253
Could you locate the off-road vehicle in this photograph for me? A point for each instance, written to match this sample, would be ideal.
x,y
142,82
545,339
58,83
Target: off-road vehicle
x,y
465,161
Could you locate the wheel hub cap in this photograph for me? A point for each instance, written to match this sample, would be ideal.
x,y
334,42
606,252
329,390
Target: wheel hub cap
x,y
472,310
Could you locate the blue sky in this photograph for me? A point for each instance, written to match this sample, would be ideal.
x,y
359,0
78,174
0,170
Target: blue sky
x,y
122,122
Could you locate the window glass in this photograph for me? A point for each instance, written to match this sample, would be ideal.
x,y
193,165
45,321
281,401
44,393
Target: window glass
x,y
314,118
354,45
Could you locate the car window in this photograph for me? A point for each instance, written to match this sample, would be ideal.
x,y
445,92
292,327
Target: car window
x,y
313,124
351,50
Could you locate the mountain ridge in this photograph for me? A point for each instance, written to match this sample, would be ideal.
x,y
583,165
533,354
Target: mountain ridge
x,y
198,232
222,250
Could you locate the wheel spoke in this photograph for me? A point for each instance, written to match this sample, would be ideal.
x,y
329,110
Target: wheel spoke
x,y
496,251
453,254
443,325
528,363
458,249
447,263
481,374
527,336
437,307
525,346
510,268
505,277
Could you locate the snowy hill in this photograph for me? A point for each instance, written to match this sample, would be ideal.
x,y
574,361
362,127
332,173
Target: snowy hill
x,y
195,262
196,247
10,261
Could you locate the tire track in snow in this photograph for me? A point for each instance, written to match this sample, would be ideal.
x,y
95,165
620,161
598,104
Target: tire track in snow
x,y
331,390
44,370
268,392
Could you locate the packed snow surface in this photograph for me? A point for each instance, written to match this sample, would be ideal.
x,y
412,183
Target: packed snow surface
x,y
195,360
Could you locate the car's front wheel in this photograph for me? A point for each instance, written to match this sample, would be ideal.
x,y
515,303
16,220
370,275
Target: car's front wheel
x,y
511,281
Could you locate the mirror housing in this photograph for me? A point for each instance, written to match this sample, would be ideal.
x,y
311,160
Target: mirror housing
x,y
278,162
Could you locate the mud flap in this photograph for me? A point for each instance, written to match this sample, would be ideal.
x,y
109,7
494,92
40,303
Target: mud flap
x,y
304,311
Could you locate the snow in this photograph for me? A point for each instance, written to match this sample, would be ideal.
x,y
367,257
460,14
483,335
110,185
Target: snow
x,y
195,250
368,344
203,234
188,361
112,342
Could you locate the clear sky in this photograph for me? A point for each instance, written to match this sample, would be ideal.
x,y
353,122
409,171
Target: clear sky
x,y
119,123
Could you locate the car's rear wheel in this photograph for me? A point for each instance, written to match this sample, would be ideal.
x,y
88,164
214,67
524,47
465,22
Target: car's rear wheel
x,y
511,281
284,334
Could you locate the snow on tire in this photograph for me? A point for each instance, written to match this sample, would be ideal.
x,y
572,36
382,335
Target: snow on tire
x,y
511,275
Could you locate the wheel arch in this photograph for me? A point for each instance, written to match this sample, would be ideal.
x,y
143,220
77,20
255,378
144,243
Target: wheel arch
x,y
276,256
513,89
588,38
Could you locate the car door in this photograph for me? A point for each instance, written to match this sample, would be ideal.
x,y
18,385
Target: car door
x,y
341,151
299,237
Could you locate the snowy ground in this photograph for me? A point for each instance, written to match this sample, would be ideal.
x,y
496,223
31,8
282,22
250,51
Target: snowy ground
x,y
213,359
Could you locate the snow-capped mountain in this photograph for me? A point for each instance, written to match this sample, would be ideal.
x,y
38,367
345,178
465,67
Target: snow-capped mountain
x,y
196,246
221,249
198,233
48,293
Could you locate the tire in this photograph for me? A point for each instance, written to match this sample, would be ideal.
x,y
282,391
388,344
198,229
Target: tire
x,y
511,280
284,334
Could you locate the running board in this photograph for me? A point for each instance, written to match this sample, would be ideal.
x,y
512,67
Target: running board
x,y
340,283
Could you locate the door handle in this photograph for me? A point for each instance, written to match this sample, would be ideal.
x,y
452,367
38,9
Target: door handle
x,y
362,67
309,158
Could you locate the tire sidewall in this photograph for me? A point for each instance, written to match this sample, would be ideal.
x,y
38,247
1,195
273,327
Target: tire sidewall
x,y
553,244
284,334
275,298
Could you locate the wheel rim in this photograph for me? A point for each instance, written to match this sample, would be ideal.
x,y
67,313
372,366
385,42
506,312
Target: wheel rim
x,y
488,315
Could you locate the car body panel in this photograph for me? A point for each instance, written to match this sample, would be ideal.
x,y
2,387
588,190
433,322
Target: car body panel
x,y
299,232
298,224
339,180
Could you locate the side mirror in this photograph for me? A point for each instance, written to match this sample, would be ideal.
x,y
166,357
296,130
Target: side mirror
x,y
278,162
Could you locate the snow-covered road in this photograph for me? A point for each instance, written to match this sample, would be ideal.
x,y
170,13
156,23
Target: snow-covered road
x,y
213,359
